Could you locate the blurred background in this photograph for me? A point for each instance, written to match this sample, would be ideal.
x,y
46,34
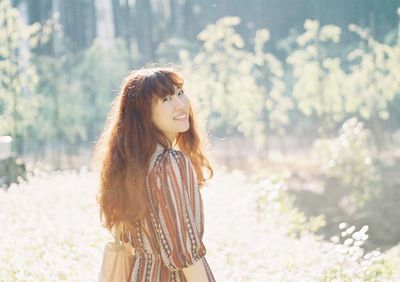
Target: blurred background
x,y
305,91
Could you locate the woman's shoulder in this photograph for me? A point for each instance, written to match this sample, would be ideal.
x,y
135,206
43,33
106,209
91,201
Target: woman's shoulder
x,y
173,162
158,152
170,158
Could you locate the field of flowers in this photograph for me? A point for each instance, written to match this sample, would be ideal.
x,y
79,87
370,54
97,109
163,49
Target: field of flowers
x,y
51,232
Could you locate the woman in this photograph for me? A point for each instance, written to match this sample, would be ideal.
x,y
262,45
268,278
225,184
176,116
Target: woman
x,y
151,168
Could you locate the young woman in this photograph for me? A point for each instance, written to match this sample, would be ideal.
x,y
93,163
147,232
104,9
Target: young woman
x,y
151,168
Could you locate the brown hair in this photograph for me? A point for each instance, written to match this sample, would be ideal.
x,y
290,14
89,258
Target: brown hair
x,y
123,151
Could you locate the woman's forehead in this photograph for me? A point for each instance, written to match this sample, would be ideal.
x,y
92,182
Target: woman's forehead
x,y
165,91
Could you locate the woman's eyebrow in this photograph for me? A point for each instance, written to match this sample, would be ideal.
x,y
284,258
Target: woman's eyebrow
x,y
178,88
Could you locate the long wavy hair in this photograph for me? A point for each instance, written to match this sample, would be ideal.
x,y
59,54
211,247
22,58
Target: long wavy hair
x,y
122,153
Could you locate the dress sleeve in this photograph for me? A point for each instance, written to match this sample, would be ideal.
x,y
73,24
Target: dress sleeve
x,y
175,196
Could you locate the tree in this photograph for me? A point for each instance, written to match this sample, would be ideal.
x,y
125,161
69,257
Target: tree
x,y
78,18
238,91
319,85
18,104
270,73
374,80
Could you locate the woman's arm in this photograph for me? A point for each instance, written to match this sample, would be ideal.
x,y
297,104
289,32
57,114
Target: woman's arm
x,y
175,193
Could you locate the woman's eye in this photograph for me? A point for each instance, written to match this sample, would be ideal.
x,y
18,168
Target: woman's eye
x,y
167,98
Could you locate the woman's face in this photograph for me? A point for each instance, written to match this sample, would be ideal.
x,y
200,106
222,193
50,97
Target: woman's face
x,y
171,113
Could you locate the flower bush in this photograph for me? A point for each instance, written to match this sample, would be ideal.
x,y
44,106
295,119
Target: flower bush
x,y
51,232
348,160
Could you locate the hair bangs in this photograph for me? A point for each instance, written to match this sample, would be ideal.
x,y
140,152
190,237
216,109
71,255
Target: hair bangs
x,y
163,82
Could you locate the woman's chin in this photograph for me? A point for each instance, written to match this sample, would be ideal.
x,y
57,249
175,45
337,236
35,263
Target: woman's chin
x,y
185,128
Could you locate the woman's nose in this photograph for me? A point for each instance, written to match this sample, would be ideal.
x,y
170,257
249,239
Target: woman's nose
x,y
179,104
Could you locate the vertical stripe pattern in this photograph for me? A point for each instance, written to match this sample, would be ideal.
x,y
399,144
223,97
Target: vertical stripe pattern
x,y
170,238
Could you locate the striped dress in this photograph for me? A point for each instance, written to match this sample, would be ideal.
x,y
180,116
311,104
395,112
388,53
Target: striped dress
x,y
170,238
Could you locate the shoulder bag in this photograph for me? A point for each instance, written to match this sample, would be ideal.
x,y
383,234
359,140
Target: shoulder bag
x,y
117,259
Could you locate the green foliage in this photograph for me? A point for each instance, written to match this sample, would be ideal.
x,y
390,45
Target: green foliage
x,y
99,71
348,260
245,92
349,160
319,82
374,80
269,73
324,89
19,106
239,87
273,201
61,114
168,51
58,98
69,83
17,75
373,266
11,169
237,90
221,80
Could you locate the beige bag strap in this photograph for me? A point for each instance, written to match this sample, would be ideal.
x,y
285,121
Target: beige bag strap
x,y
116,232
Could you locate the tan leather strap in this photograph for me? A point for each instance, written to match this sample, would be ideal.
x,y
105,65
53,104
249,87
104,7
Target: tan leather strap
x,y
117,231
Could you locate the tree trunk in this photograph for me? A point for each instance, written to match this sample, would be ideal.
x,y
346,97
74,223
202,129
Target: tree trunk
x,y
144,31
188,23
378,134
116,17
104,20
123,21
78,20
177,19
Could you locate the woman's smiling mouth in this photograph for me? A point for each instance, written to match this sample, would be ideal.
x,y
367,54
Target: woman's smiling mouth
x,y
181,117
